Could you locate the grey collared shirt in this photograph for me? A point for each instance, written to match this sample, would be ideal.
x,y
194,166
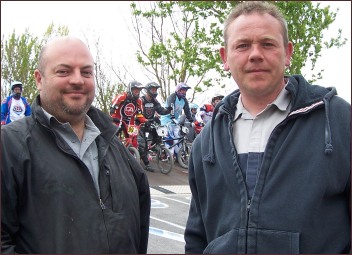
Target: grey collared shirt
x,y
86,149
251,134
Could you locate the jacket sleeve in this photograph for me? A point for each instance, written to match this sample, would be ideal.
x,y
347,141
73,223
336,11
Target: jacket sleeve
x,y
28,108
187,111
9,220
144,203
170,100
4,111
160,110
144,198
195,235
140,110
115,107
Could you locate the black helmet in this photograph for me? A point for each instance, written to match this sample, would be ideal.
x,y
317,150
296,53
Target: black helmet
x,y
132,85
151,85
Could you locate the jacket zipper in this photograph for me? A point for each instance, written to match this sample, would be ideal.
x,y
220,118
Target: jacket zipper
x,y
103,207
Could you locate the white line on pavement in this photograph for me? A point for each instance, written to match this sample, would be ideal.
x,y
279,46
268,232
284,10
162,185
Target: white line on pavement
x,y
167,222
166,234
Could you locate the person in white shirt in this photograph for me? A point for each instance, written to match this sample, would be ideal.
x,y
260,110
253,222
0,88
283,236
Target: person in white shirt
x,y
14,107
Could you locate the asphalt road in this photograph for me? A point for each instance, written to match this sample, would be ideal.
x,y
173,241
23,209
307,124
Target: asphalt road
x,y
170,199
177,176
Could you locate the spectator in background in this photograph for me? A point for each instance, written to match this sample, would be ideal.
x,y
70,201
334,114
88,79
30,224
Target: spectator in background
x,y
68,186
14,107
271,172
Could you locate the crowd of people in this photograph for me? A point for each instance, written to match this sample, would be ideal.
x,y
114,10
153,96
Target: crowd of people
x,y
270,172
131,108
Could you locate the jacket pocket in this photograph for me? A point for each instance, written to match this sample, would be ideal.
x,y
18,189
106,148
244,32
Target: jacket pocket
x,y
272,241
225,244
259,241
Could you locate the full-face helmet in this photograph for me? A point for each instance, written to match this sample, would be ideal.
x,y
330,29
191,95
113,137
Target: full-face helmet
x,y
132,86
16,84
181,86
149,87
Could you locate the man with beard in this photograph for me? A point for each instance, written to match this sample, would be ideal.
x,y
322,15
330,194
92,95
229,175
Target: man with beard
x,y
68,185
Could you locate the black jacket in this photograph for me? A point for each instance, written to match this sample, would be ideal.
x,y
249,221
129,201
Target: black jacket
x,y
49,203
301,201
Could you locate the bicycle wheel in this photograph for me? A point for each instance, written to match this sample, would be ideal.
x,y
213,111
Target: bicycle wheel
x,y
135,153
165,160
183,155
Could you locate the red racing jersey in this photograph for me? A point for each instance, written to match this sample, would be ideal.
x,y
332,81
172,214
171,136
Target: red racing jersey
x,y
126,109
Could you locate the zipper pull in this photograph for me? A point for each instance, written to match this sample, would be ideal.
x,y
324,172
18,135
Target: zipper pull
x,y
103,207
249,204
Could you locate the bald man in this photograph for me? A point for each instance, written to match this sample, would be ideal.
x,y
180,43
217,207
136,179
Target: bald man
x,y
68,185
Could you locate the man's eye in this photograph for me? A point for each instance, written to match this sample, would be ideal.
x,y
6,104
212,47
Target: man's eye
x,y
268,44
243,46
62,72
87,73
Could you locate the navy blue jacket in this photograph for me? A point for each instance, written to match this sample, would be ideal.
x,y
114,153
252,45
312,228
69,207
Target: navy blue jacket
x,y
301,202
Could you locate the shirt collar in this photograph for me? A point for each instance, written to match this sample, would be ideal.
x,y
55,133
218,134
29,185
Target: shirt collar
x,y
54,122
282,102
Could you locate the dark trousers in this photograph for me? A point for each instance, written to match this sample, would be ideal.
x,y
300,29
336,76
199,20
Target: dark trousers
x,y
142,144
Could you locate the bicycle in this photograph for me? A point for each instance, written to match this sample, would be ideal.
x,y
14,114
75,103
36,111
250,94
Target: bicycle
x,y
185,149
131,141
158,151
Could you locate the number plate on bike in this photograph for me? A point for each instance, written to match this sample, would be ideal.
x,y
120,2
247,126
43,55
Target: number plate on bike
x,y
161,130
185,130
132,130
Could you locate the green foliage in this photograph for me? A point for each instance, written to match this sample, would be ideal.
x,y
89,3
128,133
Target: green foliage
x,y
306,22
19,56
179,41
18,61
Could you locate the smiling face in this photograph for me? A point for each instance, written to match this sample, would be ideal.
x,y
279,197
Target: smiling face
x,y
66,80
256,55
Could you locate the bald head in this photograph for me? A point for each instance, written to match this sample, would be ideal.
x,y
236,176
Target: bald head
x,y
65,79
56,44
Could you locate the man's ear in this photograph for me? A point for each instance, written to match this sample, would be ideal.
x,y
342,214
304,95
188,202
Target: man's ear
x,y
289,52
224,58
38,79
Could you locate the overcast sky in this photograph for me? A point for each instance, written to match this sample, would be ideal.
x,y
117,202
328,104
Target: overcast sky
x,y
110,21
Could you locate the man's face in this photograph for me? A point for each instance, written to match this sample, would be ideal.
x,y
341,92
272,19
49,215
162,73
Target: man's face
x,y
153,90
66,85
136,91
182,92
216,101
17,90
256,56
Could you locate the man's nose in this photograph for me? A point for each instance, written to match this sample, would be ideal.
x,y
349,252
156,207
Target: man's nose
x,y
76,77
256,53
